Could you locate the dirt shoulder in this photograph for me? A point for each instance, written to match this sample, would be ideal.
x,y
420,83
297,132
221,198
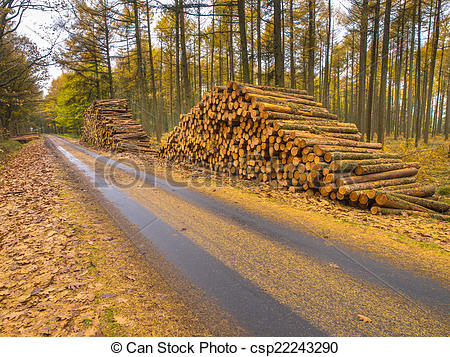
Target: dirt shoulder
x,y
66,269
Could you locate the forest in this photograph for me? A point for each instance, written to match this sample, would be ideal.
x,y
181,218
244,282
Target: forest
x,y
383,65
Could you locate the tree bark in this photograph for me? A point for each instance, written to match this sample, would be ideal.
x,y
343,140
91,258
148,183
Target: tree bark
x,y
411,69
177,56
326,77
311,45
373,70
258,40
431,76
384,68
291,43
362,64
279,60
418,74
152,76
184,61
243,36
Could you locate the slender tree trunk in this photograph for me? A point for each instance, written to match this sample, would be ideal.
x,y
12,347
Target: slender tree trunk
x,y
152,76
405,88
373,70
184,61
213,38
424,79
140,64
243,37
362,64
171,87
177,57
277,44
411,72
291,43
199,54
431,76
440,95
311,46
398,72
352,96
108,49
230,48
389,121
346,89
384,68
447,111
418,75
252,44
326,79
258,40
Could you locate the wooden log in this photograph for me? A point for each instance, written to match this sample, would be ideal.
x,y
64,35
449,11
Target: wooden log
x,y
427,203
411,171
370,169
350,165
416,190
345,190
389,200
387,211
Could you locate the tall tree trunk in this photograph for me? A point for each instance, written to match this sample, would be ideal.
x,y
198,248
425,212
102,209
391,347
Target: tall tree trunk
x,y
252,44
384,68
418,98
230,46
243,36
411,72
326,78
389,121
213,38
152,76
398,72
311,45
258,40
373,70
352,96
441,95
291,43
177,57
346,89
405,88
362,64
431,76
447,111
184,61
199,53
140,64
107,48
278,53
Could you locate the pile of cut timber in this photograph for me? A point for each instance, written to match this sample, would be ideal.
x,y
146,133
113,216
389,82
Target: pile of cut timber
x,y
283,137
109,124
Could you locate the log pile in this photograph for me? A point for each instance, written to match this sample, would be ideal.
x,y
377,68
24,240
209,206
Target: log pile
x,y
283,137
109,124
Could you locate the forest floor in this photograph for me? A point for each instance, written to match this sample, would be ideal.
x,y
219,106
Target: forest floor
x,y
7,147
66,269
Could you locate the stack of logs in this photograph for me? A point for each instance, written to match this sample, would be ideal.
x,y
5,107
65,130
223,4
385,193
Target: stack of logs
x,y
283,137
109,124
